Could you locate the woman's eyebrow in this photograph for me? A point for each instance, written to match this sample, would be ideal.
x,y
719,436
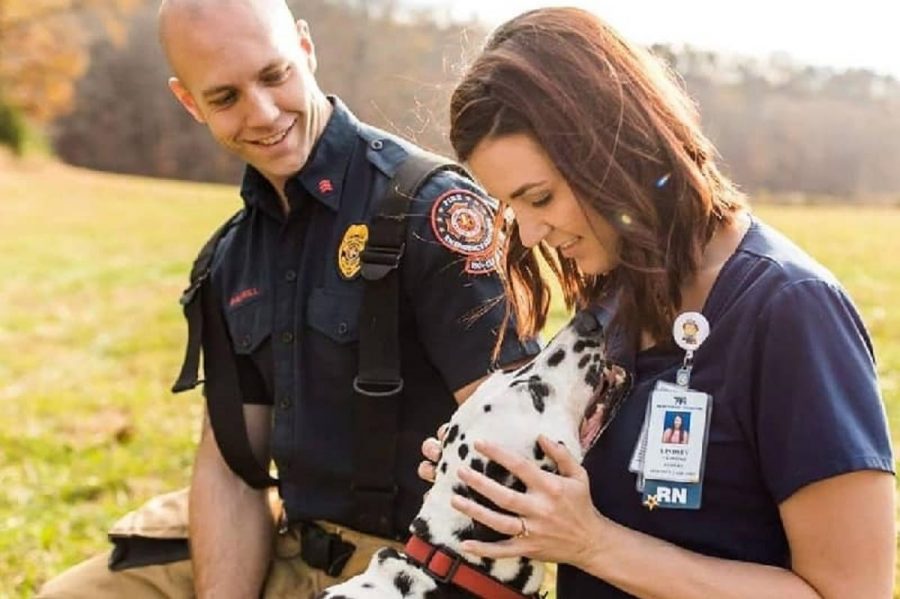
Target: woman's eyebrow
x,y
522,189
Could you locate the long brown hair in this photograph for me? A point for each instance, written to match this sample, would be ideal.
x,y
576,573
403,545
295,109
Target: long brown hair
x,y
626,138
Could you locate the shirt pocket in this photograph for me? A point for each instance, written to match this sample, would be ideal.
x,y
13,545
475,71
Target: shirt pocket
x,y
335,314
250,325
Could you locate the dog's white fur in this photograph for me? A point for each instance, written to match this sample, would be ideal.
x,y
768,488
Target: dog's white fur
x,y
550,396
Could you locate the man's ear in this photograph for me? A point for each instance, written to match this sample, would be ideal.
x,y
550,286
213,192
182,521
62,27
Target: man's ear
x,y
306,44
186,99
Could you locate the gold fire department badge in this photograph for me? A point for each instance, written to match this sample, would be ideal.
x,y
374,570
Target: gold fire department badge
x,y
352,245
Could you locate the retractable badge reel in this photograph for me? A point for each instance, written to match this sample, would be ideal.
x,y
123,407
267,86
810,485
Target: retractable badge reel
x,y
689,331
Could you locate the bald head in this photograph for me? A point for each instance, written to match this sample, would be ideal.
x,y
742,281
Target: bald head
x,y
182,22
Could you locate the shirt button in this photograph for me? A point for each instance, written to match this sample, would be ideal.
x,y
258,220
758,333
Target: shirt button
x,y
285,402
343,328
290,275
287,337
377,144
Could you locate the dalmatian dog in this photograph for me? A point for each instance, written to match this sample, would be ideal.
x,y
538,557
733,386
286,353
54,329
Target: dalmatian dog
x,y
568,392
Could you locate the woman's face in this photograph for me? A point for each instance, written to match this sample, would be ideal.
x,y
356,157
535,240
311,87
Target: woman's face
x,y
517,171
676,422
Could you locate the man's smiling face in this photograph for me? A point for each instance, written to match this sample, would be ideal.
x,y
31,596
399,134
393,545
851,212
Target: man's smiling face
x,y
247,73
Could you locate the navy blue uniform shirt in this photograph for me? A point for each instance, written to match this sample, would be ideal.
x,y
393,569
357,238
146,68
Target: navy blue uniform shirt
x,y
293,316
795,400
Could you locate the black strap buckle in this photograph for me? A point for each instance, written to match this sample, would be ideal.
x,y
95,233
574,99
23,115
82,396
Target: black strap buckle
x,y
378,261
451,571
377,388
187,296
323,550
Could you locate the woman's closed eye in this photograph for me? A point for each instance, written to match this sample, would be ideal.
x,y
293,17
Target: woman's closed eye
x,y
542,200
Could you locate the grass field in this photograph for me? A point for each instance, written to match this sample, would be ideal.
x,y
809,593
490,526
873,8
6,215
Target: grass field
x,y
91,338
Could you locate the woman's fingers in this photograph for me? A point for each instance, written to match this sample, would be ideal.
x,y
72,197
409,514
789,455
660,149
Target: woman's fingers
x,y
426,471
431,449
506,524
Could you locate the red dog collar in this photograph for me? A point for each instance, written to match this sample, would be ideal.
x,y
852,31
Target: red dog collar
x,y
445,566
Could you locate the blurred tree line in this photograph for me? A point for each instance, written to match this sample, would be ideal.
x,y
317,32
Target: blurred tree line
x,y
780,126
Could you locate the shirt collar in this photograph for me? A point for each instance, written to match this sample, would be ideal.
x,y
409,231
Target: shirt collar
x,y
322,177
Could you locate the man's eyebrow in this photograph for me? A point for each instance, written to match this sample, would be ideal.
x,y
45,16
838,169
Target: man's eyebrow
x,y
214,91
527,186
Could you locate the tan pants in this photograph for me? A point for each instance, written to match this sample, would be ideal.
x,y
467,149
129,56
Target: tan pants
x,y
166,517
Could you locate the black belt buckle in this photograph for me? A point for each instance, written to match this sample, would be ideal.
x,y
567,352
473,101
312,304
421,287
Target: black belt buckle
x,y
323,550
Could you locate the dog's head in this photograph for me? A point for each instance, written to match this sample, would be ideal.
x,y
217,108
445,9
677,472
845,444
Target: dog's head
x,y
568,392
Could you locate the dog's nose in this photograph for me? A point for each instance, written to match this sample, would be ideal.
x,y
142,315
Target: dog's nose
x,y
585,323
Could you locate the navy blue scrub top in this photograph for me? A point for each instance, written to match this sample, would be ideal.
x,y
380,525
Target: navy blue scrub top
x,y
293,316
795,400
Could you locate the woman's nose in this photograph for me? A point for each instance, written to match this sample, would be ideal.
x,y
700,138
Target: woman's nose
x,y
531,230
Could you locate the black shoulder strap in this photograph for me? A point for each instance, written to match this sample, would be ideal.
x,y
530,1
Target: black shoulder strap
x,y
187,378
206,329
379,381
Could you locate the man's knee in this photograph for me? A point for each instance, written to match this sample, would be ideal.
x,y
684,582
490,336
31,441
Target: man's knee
x,y
93,579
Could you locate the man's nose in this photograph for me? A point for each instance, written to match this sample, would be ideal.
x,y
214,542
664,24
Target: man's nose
x,y
261,108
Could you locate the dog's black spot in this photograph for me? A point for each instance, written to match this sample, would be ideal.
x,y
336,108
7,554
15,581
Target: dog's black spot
x,y
550,468
462,490
582,344
518,485
538,452
387,553
496,472
487,407
444,467
451,435
463,451
368,585
487,563
526,570
596,358
557,357
584,361
420,528
477,465
462,437
403,583
592,376
539,391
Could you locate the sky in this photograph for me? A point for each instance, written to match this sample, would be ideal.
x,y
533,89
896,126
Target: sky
x,y
836,33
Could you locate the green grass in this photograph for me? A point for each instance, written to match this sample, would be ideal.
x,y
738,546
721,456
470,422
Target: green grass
x,y
91,336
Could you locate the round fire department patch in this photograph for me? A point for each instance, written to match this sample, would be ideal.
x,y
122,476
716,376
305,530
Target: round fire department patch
x,y
463,222
352,245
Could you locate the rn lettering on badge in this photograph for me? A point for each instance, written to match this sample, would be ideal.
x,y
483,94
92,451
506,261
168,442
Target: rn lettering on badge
x,y
666,495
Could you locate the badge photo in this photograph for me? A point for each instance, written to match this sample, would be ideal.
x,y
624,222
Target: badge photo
x,y
352,245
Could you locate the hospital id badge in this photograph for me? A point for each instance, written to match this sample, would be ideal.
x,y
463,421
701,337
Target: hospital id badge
x,y
677,432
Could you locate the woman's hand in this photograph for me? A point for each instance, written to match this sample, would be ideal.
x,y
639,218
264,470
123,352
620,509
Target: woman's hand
x,y
554,520
431,450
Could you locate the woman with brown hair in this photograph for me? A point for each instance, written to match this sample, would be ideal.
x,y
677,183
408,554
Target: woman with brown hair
x,y
597,156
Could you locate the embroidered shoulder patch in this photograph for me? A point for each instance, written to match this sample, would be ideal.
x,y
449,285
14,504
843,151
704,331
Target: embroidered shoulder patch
x,y
463,222
355,238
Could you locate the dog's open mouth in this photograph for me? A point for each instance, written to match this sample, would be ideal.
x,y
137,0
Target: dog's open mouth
x,y
592,423
613,388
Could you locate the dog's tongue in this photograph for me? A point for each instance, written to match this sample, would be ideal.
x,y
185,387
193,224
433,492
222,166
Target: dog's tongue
x,y
590,428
